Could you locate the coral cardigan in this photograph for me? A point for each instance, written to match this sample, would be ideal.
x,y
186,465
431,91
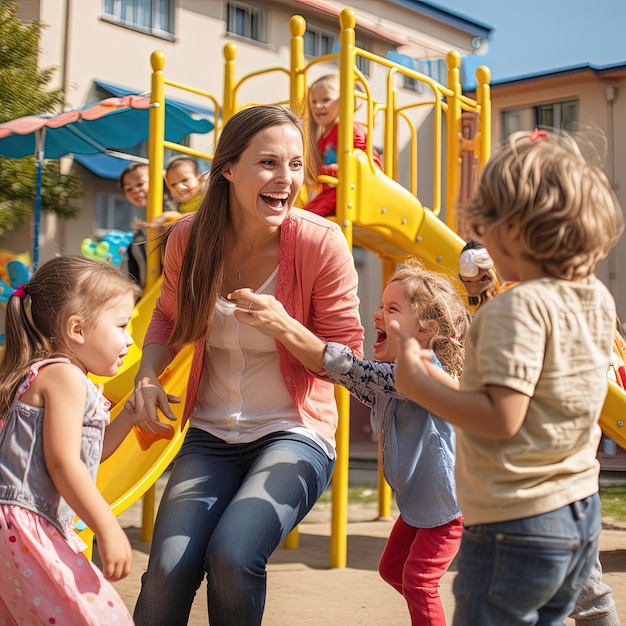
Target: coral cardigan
x,y
317,285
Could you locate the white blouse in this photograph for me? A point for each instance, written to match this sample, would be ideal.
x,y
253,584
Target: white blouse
x,y
242,396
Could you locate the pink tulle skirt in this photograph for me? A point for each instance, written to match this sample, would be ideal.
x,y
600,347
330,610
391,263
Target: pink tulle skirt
x,y
46,580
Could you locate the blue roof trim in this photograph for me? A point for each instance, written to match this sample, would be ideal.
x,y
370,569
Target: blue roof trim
x,y
119,92
469,65
598,69
103,165
449,17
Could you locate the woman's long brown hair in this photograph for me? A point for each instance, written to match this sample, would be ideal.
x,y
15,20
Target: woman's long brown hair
x,y
202,271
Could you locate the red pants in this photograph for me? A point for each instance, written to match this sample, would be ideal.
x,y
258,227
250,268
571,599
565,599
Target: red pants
x,y
413,562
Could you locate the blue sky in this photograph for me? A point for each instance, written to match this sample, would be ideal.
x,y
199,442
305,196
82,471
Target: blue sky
x,y
541,35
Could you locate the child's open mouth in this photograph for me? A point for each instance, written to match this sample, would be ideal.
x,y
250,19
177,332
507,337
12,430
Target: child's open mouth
x,y
381,337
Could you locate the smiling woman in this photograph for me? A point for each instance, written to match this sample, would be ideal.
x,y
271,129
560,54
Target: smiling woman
x,y
261,447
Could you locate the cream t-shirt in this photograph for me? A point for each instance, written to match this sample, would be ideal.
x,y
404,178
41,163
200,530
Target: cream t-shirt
x,y
551,340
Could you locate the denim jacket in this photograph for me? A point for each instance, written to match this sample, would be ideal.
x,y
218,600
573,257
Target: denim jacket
x,y
24,479
417,446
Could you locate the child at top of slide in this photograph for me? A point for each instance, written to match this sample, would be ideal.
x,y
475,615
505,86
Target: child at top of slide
x,y
185,183
323,105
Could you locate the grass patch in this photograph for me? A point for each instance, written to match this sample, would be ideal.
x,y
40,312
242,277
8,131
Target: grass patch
x,y
356,495
614,501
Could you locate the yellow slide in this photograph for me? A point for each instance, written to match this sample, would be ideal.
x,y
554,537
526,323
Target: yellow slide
x,y
139,461
136,465
392,222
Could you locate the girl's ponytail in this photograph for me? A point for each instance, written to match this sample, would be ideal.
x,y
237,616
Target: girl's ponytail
x,y
23,344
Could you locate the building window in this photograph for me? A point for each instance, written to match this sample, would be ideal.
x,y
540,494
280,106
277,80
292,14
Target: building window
x,y
318,43
362,64
246,21
148,16
433,68
559,115
114,212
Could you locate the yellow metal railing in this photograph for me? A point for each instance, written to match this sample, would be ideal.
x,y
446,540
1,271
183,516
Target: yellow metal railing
x,y
447,104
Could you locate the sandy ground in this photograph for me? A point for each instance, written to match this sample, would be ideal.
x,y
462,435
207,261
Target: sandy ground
x,y
303,590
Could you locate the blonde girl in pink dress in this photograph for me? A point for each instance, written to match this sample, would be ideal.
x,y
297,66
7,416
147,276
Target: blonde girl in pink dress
x,y
70,319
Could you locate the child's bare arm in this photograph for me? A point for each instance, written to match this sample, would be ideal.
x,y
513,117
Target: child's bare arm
x,y
166,216
497,413
62,443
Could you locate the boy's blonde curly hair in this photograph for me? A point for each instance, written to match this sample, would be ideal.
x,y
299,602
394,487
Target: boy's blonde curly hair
x,y
437,306
567,211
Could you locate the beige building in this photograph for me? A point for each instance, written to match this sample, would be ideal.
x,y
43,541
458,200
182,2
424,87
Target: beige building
x,y
586,99
103,48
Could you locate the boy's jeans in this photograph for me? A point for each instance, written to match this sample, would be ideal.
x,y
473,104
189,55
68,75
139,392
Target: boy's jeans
x,y
526,571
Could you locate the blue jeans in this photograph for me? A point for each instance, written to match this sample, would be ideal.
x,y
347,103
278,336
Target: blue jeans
x,y
225,509
526,571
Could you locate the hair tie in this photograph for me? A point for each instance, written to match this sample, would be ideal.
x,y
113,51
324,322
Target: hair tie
x,y
20,292
538,135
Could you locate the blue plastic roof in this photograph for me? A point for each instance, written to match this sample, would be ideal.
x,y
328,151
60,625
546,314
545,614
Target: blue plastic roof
x,y
103,165
119,91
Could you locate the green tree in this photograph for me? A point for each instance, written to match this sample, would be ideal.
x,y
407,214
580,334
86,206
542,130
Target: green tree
x,y
24,91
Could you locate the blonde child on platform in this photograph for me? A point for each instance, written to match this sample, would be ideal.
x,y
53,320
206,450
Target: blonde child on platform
x,y
323,103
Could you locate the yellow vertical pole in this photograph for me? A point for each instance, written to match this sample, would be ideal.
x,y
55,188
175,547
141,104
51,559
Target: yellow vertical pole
x,y
155,164
297,85
390,160
297,91
339,512
154,208
230,95
453,173
346,196
384,490
346,189
437,151
483,97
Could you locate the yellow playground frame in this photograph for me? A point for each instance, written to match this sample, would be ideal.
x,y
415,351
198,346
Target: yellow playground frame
x,y
374,210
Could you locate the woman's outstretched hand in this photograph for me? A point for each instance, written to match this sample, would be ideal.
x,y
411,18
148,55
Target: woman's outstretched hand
x,y
268,316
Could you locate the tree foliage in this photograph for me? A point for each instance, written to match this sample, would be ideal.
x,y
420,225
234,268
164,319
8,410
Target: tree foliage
x,y
24,91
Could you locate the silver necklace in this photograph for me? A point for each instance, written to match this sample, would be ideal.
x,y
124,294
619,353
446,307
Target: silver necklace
x,y
236,268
